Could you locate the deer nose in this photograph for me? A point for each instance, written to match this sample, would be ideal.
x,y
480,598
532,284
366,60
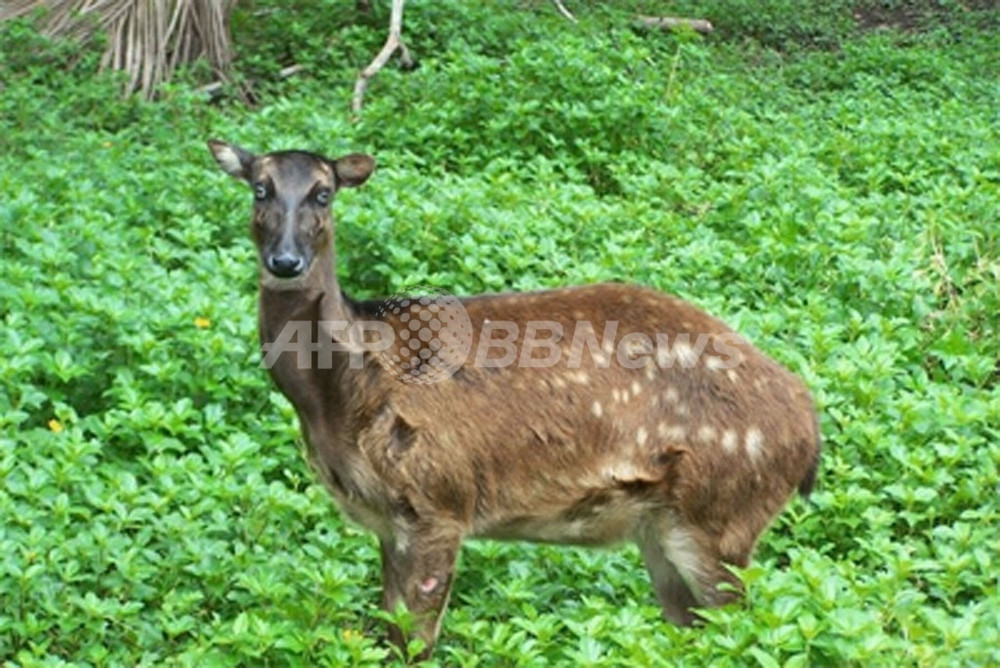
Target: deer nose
x,y
286,265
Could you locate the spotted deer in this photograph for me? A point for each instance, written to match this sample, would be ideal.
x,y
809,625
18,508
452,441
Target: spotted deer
x,y
658,424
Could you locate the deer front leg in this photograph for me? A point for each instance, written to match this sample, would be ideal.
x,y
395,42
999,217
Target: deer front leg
x,y
417,570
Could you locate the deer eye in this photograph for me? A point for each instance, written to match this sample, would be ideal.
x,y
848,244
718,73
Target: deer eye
x,y
259,191
322,197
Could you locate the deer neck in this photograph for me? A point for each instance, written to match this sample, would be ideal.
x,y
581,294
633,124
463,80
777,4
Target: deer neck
x,y
314,296
294,318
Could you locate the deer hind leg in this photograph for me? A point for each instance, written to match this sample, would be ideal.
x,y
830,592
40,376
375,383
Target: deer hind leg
x,y
686,569
417,571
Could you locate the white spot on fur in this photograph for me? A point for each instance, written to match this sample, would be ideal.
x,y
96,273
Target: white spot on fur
x,y
641,435
754,442
579,377
685,354
596,409
733,376
635,349
558,382
706,433
616,394
636,387
729,440
670,432
620,472
714,363
681,409
671,396
650,372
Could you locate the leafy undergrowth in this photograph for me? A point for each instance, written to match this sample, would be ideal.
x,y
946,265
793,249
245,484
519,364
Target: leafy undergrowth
x,y
837,203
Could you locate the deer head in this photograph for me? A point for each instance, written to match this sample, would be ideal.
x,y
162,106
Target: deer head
x,y
292,190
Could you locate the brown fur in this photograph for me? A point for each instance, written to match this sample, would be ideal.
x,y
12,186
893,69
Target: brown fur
x,y
690,462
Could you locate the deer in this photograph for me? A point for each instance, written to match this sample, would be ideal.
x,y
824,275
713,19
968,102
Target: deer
x,y
658,425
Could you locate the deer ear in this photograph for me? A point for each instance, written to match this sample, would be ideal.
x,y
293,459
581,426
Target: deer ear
x,y
234,160
353,170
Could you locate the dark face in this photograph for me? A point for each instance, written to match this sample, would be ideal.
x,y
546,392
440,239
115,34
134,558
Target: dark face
x,y
292,193
291,212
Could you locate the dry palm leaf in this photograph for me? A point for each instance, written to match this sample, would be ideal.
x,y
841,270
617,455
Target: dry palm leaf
x,y
147,39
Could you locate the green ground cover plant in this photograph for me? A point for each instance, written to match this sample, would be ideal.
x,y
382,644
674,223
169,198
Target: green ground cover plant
x,y
828,186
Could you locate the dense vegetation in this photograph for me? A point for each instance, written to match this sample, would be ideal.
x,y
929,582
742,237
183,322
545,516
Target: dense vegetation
x,y
828,186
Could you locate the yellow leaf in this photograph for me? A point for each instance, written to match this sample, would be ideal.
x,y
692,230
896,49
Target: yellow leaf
x,y
56,426
202,323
